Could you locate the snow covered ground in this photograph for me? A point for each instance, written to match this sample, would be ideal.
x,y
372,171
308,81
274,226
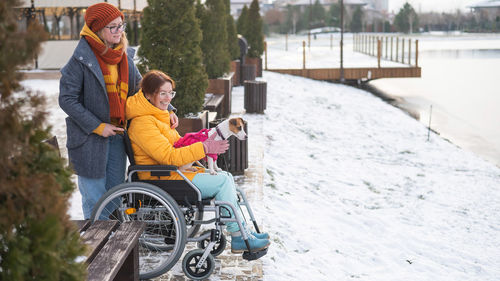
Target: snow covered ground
x,y
352,189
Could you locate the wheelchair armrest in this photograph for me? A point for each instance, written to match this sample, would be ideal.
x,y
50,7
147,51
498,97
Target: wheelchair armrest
x,y
148,168
156,170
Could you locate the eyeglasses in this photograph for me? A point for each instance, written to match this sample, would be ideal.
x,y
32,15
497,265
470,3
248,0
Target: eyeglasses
x,y
117,28
170,95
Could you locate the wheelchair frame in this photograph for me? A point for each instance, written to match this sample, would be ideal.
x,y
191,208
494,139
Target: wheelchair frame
x,y
191,202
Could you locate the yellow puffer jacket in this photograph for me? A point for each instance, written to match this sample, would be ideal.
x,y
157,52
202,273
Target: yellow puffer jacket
x,y
153,139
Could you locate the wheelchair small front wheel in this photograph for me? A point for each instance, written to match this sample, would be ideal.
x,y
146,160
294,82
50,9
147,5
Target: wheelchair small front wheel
x,y
219,245
190,262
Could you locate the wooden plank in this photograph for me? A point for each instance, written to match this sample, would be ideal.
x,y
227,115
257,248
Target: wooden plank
x,y
81,225
96,236
112,256
213,102
353,73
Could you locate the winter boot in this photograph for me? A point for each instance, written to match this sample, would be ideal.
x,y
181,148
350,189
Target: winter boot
x,y
238,244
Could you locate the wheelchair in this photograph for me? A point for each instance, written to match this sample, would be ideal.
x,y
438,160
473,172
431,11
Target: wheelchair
x,y
173,212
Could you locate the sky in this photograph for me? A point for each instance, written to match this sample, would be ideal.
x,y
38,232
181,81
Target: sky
x,y
433,5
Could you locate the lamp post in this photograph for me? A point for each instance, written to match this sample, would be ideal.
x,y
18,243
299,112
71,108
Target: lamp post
x,y
342,41
136,40
30,14
309,25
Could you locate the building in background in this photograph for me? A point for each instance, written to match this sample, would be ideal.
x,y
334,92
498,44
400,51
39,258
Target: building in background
x,y
489,10
237,6
378,5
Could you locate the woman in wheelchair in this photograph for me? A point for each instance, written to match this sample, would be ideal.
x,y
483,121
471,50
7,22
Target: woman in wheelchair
x,y
152,143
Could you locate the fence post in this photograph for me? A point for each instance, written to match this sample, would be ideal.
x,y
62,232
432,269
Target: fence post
x,y
409,51
391,47
309,40
369,50
416,53
286,41
397,49
373,45
303,54
379,50
403,51
386,45
368,44
364,44
265,56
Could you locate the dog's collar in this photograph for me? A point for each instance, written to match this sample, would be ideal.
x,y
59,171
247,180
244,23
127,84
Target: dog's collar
x,y
219,133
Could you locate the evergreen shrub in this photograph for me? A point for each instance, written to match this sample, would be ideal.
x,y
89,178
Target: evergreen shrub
x,y
232,35
37,239
214,44
170,42
255,32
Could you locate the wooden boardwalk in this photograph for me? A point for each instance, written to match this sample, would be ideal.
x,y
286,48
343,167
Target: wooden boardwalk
x,y
372,46
353,74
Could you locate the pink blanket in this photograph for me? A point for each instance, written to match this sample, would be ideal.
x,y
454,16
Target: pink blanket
x,y
191,138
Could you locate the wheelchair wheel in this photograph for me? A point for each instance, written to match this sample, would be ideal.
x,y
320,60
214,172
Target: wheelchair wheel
x,y
219,245
191,260
163,241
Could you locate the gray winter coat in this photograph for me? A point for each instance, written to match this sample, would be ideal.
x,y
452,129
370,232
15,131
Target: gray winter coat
x,y
83,96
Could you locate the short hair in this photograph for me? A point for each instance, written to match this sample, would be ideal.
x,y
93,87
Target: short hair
x,y
153,80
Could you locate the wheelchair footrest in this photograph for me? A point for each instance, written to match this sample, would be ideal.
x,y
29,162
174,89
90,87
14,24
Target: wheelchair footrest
x,y
254,255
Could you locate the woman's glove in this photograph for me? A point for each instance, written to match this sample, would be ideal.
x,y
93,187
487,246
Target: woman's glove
x,y
212,146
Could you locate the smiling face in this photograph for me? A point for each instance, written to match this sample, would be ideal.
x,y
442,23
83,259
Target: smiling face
x,y
107,36
162,97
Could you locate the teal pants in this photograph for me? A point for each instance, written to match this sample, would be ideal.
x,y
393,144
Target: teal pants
x,y
222,187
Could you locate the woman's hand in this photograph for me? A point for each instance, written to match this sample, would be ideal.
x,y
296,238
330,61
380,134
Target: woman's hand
x,y
110,130
174,121
212,146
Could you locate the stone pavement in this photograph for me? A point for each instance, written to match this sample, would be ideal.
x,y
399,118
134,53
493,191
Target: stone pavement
x,y
230,266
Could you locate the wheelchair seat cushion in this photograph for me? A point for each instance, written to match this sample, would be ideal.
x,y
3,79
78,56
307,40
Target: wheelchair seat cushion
x,y
180,190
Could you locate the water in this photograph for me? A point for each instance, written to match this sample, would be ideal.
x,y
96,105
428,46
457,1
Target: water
x,y
461,85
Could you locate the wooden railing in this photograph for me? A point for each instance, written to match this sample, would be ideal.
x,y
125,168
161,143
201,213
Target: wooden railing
x,y
387,47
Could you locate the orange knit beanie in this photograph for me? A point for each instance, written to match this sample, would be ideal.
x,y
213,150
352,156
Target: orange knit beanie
x,y
99,15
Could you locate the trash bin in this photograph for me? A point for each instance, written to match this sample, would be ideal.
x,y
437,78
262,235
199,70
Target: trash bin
x,y
255,96
248,72
235,159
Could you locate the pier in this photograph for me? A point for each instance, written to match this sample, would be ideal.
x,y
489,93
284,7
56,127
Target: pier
x,y
394,59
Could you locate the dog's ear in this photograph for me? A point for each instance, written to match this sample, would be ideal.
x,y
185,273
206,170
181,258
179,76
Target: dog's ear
x,y
233,122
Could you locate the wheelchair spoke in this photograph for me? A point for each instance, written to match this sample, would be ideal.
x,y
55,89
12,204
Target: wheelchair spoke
x,y
163,240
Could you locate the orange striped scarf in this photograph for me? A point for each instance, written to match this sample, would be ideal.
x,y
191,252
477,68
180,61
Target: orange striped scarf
x,y
117,93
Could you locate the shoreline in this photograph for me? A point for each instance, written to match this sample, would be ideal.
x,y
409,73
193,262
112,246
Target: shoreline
x,y
395,101
400,103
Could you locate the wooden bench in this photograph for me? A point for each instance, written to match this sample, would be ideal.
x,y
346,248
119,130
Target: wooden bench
x,y
112,250
213,103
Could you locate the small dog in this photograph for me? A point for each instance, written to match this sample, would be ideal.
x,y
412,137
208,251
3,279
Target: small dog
x,y
227,128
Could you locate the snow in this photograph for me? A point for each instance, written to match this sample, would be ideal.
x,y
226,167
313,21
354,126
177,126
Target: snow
x,y
352,188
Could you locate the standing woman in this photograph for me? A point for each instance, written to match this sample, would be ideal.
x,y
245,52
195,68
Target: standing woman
x,y
94,87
